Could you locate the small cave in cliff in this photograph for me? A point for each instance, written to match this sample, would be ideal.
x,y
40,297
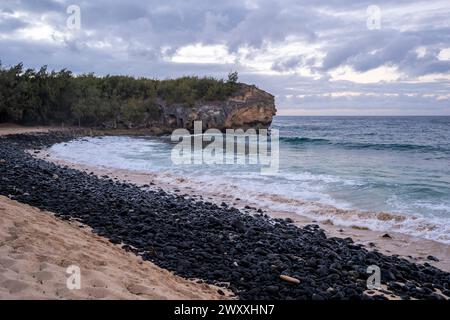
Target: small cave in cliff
x,y
171,120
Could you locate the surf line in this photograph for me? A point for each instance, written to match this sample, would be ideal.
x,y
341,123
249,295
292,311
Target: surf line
x,y
234,147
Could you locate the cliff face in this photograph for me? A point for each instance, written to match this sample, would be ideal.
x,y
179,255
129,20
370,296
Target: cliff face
x,y
248,107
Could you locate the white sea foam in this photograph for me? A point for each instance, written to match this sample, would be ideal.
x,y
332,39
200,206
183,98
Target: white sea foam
x,y
300,192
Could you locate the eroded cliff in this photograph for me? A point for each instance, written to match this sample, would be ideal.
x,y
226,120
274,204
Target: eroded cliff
x,y
248,107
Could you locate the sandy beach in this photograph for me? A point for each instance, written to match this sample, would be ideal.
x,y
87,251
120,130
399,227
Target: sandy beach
x,y
8,128
242,159
235,246
36,249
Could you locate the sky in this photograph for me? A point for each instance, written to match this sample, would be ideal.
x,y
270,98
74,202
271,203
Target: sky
x,y
316,57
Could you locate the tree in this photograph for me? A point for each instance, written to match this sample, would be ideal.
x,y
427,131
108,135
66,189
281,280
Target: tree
x,y
233,77
232,83
133,111
58,97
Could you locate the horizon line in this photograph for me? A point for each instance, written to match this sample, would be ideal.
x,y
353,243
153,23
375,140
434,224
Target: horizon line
x,y
355,115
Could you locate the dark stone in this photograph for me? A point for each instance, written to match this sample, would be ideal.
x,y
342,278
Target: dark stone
x,y
198,239
238,225
432,258
272,289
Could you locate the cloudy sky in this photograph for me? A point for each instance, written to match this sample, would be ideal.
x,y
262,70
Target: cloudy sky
x,y
316,57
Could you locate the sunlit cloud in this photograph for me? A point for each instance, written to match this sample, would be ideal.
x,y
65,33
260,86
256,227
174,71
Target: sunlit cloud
x,y
380,74
199,53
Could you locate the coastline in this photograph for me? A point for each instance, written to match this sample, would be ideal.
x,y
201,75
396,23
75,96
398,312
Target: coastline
x,y
264,248
8,128
415,249
37,248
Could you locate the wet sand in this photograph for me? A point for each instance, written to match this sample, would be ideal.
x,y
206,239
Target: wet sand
x,y
6,128
415,249
412,248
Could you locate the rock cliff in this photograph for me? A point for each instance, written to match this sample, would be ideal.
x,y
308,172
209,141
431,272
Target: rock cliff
x,y
248,107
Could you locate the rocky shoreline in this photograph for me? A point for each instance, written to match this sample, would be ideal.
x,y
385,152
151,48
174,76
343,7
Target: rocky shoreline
x,y
255,256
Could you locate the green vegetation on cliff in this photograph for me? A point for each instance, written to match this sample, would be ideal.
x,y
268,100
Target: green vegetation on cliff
x,y
43,97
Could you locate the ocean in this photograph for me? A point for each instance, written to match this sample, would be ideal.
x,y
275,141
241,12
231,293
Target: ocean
x,y
383,173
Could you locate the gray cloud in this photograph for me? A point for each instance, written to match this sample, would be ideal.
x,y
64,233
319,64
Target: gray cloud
x,y
140,38
9,24
288,64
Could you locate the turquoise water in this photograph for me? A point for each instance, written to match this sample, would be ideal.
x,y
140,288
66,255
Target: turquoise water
x,y
362,165
395,164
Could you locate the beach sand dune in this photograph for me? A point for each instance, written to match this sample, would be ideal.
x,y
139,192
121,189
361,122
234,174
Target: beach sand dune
x,y
36,248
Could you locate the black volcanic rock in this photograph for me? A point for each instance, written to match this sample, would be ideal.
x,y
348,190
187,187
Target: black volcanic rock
x,y
197,239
